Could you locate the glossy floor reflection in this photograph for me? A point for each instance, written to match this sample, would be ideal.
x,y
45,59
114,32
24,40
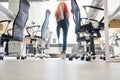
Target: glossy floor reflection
x,y
57,69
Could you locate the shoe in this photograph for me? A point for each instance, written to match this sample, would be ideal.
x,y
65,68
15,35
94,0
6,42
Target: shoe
x,y
63,55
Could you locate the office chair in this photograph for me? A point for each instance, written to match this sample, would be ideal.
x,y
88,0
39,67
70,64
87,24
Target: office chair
x,y
40,40
42,43
18,24
31,39
3,47
115,42
20,20
86,28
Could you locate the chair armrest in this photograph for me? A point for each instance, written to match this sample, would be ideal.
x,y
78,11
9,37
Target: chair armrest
x,y
8,31
5,21
31,28
7,24
94,7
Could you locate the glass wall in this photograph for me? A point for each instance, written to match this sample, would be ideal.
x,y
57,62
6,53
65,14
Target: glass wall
x,y
113,35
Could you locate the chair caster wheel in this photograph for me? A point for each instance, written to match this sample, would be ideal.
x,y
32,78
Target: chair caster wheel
x,y
1,57
18,57
70,58
77,57
82,57
22,58
93,57
104,58
41,57
88,58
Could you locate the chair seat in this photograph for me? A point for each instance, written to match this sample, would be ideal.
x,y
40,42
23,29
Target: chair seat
x,y
37,36
6,37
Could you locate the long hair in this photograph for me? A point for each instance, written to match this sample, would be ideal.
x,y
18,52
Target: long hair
x,y
64,9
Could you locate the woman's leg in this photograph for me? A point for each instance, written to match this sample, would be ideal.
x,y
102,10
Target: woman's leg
x,y
58,32
65,32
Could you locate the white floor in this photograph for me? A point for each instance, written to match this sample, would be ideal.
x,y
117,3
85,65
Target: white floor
x,y
57,69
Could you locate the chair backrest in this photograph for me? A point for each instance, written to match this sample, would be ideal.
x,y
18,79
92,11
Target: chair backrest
x,y
45,25
76,14
20,20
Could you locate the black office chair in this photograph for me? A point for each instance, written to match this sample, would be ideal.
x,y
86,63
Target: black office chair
x,y
2,44
19,23
20,20
86,28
